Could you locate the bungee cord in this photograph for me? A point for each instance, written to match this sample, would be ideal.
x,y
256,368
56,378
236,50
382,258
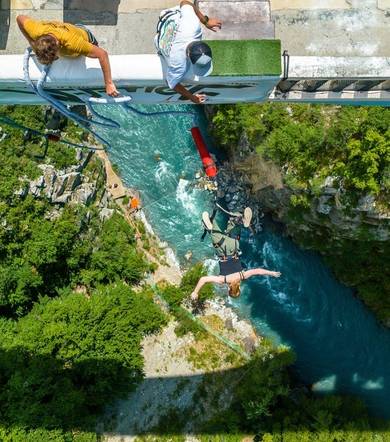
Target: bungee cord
x,y
85,123
46,136
100,120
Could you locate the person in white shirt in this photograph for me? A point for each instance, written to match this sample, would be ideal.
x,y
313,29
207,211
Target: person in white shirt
x,y
188,55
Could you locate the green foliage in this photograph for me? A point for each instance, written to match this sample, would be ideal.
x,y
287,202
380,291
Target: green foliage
x,y
115,256
23,156
70,356
174,296
39,256
191,278
20,434
300,201
35,253
350,142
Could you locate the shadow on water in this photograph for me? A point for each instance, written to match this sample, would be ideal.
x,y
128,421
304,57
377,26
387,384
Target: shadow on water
x,y
4,22
42,392
91,12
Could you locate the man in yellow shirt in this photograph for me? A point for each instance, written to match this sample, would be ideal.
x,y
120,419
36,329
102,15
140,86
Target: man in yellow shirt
x,y
51,39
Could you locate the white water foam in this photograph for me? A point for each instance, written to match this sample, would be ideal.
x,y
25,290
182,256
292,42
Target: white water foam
x,y
187,199
164,172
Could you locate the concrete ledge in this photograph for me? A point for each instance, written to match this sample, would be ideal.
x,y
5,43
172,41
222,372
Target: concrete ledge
x,y
339,67
309,4
37,5
384,4
127,6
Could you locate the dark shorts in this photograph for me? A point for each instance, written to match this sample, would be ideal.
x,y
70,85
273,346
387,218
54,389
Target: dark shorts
x,y
91,38
231,265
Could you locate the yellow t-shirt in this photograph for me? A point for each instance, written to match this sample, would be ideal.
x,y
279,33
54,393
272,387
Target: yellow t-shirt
x,y
73,40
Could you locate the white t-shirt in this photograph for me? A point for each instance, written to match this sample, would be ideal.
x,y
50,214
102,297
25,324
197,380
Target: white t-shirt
x,y
189,30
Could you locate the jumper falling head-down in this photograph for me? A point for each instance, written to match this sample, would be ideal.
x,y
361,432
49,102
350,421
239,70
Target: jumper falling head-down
x,y
227,246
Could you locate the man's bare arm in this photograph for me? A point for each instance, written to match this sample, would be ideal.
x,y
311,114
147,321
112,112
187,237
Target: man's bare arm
x,y
104,61
20,20
211,23
197,98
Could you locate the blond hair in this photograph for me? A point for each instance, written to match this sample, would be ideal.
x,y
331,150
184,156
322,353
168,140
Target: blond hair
x,y
46,49
234,289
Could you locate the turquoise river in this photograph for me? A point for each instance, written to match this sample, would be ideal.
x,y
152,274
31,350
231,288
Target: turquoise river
x,y
340,347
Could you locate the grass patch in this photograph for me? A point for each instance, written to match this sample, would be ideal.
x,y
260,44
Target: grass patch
x,y
243,58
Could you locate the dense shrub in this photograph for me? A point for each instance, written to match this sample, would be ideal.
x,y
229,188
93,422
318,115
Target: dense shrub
x,y
352,143
70,356
114,256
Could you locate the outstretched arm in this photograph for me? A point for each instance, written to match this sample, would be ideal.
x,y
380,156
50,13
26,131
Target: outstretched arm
x,y
204,280
20,20
260,272
211,23
104,61
195,98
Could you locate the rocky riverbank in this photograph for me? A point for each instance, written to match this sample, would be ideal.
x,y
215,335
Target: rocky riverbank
x,y
183,377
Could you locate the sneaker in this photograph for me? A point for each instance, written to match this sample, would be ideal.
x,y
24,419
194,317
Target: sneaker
x,y
206,221
247,216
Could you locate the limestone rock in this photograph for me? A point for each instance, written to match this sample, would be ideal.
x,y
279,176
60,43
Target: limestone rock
x,y
323,207
36,186
85,194
79,155
229,324
23,191
366,204
53,214
106,214
105,199
61,199
250,344
49,176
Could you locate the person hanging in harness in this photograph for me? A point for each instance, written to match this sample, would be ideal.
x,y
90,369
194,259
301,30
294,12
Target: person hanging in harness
x,y
52,39
183,54
227,246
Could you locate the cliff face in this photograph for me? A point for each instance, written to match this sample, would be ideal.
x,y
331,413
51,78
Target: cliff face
x,y
330,207
350,228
